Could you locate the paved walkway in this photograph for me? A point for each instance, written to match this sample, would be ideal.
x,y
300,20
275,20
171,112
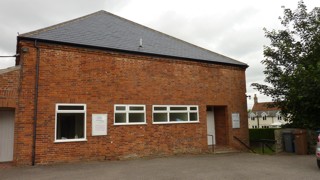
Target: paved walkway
x,y
221,166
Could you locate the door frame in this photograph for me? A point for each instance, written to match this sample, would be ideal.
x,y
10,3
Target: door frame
x,y
210,109
221,124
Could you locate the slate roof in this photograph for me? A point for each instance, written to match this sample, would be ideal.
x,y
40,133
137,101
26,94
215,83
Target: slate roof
x,y
105,30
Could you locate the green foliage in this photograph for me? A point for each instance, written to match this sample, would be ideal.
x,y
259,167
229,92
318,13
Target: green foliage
x,y
266,151
257,134
292,67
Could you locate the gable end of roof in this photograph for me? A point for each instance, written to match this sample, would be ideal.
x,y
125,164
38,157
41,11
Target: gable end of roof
x,y
105,30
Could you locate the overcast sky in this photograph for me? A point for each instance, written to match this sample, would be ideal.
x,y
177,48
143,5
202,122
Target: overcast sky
x,y
229,27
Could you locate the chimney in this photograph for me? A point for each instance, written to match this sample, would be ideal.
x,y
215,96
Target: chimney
x,y
255,99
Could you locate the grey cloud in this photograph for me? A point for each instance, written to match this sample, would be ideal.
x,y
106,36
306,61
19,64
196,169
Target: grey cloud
x,y
217,32
254,70
239,43
212,28
7,62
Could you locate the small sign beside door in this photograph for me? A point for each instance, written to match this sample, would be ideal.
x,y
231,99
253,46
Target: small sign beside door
x,y
99,124
235,120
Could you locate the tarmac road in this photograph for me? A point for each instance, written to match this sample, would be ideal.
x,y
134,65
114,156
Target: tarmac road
x,y
209,166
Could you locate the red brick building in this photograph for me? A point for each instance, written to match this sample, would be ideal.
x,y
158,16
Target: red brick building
x,y
102,87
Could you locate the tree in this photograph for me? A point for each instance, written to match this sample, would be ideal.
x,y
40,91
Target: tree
x,y
292,67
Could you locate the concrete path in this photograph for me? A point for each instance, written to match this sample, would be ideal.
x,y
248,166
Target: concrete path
x,y
221,166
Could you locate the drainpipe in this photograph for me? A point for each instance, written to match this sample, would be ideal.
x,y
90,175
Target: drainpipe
x,y
35,112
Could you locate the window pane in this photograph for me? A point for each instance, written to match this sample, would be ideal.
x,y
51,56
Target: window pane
x,y
136,117
193,108
136,108
62,107
120,118
160,117
178,108
160,108
120,108
193,116
70,125
178,116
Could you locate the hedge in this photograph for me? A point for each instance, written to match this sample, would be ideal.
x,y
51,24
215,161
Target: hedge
x,y
256,134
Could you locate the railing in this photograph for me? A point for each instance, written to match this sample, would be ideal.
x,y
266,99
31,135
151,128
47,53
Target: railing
x,y
244,144
265,143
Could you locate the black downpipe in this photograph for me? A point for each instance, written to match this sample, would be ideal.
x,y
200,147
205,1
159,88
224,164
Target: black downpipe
x,y
35,112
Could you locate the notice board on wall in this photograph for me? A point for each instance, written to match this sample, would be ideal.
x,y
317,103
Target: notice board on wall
x,y
99,124
235,120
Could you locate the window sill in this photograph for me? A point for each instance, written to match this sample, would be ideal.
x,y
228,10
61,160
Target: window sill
x,y
129,124
179,122
70,140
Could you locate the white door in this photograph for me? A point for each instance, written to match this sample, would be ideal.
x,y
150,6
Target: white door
x,y
6,135
210,128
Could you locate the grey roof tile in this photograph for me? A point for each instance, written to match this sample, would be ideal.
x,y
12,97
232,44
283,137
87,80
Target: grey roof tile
x,y
105,30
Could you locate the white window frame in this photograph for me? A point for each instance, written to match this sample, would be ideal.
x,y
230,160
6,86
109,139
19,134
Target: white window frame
x,y
252,116
84,111
279,117
264,116
168,111
127,111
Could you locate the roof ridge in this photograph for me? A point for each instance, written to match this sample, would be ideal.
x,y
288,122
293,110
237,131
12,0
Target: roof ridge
x,y
175,38
60,24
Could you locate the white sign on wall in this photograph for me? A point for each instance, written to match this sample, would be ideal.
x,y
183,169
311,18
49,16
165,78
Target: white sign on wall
x,y
99,124
235,120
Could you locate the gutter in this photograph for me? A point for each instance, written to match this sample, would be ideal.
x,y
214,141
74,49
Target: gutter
x,y
35,112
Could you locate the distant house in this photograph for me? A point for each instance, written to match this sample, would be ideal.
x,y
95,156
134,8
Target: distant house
x,y
263,116
101,87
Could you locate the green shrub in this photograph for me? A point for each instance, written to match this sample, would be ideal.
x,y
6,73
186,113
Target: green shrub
x,y
256,134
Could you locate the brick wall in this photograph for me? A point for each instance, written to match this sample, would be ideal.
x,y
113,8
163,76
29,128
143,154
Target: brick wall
x,y
101,79
9,82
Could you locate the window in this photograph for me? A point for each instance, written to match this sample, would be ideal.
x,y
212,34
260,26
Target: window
x,y
264,116
70,124
129,114
252,116
175,114
279,117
